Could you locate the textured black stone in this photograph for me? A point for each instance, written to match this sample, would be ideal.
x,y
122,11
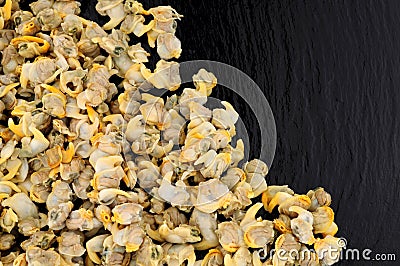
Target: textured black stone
x,y
331,73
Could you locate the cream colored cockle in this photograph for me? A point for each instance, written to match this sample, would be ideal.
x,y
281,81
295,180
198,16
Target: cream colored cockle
x,y
8,219
190,95
217,166
154,113
97,159
103,214
207,224
179,235
70,244
82,220
9,101
11,60
108,196
324,221
232,177
319,197
42,239
333,244
55,104
38,193
204,80
164,22
277,199
179,254
5,12
198,114
22,205
26,23
198,133
64,44
127,213
71,82
58,215
72,25
49,19
114,253
7,150
302,225
165,76
174,194
168,46
230,236
257,233
212,258
5,37
149,254
138,54
285,245
29,226
135,23
212,195
256,171
94,246
38,6
61,193
224,118
98,87
241,257
131,236
38,256
112,8
40,71
67,7
148,175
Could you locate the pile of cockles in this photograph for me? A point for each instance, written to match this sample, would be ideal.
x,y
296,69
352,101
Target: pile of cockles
x,y
96,172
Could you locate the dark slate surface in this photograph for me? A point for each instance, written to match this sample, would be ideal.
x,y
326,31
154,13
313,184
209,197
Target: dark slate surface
x,y
331,72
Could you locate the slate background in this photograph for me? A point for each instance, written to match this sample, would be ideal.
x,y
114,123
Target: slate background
x,y
331,73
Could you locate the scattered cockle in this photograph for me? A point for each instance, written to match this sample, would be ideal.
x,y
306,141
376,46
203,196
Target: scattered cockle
x,y
93,172
230,236
207,224
131,237
286,245
323,221
213,257
180,254
165,76
38,256
258,233
113,253
82,220
113,9
333,244
302,226
9,259
70,246
149,253
8,219
41,239
241,257
67,7
319,197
